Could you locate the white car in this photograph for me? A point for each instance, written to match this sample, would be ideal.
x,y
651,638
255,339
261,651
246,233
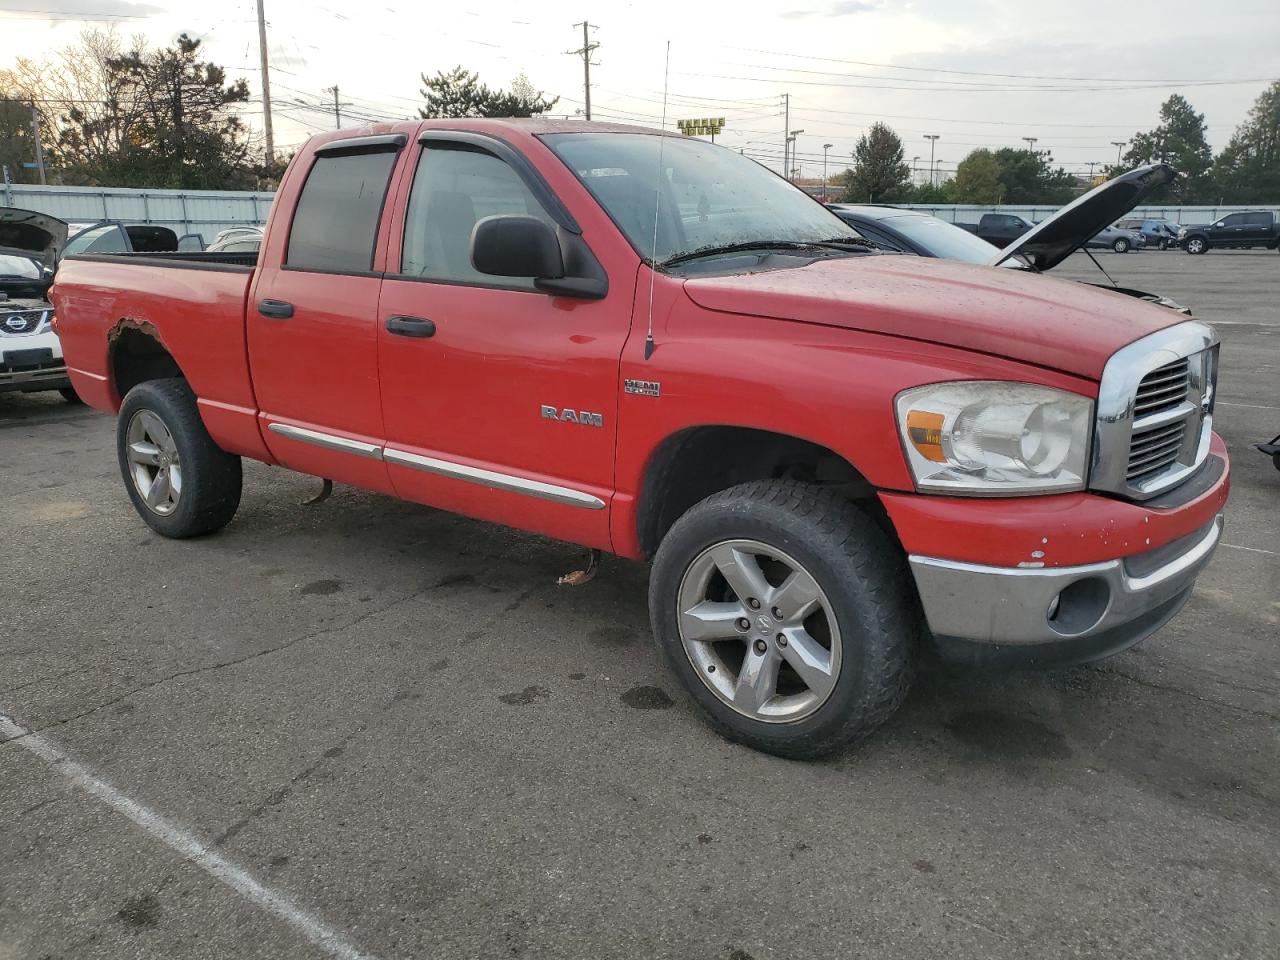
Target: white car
x,y
30,354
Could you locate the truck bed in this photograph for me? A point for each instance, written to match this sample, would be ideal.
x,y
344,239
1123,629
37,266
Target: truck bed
x,y
194,303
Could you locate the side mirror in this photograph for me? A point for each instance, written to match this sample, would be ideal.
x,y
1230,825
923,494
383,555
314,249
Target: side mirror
x,y
508,246
1220,223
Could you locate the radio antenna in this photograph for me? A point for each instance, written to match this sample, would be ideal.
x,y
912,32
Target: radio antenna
x,y
657,195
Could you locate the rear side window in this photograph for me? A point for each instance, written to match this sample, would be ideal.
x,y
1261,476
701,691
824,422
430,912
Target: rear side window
x,y
335,225
1258,219
105,239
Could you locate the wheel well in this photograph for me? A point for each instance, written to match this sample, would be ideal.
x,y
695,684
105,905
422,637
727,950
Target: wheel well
x,y
137,355
691,465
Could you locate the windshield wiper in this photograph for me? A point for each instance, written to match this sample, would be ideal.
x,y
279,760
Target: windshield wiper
x,y
743,247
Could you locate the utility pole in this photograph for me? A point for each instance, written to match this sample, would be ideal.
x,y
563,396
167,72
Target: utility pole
x,y
825,148
1119,145
786,134
35,132
270,153
914,160
933,143
1031,143
588,47
337,108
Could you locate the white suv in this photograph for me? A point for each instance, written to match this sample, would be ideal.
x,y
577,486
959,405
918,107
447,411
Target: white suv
x,y
30,354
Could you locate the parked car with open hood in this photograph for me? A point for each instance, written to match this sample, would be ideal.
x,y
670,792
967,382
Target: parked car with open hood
x,y
1074,227
30,354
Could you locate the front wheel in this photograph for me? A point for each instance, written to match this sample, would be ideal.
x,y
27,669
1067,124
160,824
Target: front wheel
x,y
1121,245
69,394
181,482
786,614
1196,245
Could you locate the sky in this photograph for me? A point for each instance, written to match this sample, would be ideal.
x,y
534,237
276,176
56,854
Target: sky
x,y
975,72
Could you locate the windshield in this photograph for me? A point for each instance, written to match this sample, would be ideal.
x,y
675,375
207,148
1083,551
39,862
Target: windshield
x,y
709,197
941,239
23,267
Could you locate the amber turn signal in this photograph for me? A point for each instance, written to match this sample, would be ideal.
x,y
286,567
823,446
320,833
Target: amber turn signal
x,y
924,430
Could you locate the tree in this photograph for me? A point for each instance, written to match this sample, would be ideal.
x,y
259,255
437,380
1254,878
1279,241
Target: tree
x,y
17,146
879,174
1248,169
459,93
139,117
1179,140
977,178
1027,177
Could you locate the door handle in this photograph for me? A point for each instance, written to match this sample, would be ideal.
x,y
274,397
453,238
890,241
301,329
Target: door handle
x,y
411,327
278,309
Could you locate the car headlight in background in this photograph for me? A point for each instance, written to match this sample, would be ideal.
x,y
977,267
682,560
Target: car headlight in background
x,y
995,437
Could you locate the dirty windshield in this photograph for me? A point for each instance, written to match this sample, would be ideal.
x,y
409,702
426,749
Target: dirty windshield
x,y
709,198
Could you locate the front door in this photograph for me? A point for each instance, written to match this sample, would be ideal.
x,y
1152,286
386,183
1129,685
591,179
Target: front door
x,y
499,401
312,320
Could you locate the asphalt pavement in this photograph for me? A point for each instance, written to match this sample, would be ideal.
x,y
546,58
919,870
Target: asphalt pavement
x,y
370,729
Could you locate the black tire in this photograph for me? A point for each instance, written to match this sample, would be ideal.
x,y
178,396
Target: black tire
x,y
211,477
857,565
1121,245
69,394
1195,245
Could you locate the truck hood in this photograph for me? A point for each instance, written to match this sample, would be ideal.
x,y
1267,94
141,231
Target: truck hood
x,y
25,233
1015,314
1054,239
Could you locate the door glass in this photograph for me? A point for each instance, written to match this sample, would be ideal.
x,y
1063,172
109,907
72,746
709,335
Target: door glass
x,y
105,239
1235,220
454,188
335,225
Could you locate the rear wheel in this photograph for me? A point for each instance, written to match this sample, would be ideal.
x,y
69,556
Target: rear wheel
x,y
786,614
1121,245
1196,245
181,483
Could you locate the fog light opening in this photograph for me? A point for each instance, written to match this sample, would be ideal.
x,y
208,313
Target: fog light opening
x,y
1079,606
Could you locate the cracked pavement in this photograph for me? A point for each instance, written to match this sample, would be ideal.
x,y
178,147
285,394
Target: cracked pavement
x,y
396,718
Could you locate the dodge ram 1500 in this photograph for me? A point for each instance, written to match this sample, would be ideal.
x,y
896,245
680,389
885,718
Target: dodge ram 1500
x,y
650,345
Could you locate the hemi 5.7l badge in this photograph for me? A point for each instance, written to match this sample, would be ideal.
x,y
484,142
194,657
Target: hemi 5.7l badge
x,y
582,417
643,388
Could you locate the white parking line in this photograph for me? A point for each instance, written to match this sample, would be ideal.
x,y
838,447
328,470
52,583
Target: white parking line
x,y
1236,546
185,844
1255,406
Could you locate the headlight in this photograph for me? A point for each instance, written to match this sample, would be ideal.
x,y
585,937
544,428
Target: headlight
x,y
995,437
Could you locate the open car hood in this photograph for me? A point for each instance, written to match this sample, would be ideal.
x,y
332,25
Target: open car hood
x,y
1051,241
25,233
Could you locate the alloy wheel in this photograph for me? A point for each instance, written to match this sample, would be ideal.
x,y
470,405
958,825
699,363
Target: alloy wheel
x,y
759,631
154,464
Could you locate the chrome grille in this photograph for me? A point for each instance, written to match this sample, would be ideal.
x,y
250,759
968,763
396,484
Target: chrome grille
x,y
19,323
1155,412
1162,388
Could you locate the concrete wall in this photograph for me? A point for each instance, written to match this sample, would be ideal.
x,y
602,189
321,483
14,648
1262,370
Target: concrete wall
x,y
1186,216
187,211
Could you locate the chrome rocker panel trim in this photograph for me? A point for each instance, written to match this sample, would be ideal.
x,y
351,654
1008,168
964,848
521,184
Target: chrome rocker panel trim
x,y
1009,605
444,468
490,478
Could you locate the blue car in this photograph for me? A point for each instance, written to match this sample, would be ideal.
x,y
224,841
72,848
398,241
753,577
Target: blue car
x,y
1159,233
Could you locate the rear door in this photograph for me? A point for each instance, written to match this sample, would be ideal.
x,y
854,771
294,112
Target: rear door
x,y
312,317
1257,227
499,400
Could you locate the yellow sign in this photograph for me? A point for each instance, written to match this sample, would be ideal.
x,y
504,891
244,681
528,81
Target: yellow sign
x,y
704,127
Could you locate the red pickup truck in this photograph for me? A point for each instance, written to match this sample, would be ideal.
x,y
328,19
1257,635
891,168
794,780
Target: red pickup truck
x,y
836,460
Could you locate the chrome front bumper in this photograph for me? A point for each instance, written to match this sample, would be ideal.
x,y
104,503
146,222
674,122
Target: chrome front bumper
x,y
1079,613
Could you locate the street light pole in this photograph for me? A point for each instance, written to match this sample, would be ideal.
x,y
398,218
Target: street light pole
x,y
1119,145
825,148
933,143
791,139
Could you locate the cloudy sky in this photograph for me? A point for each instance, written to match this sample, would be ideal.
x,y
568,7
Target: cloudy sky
x,y
976,72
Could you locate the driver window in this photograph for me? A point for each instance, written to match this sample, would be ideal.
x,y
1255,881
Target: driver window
x,y
454,187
